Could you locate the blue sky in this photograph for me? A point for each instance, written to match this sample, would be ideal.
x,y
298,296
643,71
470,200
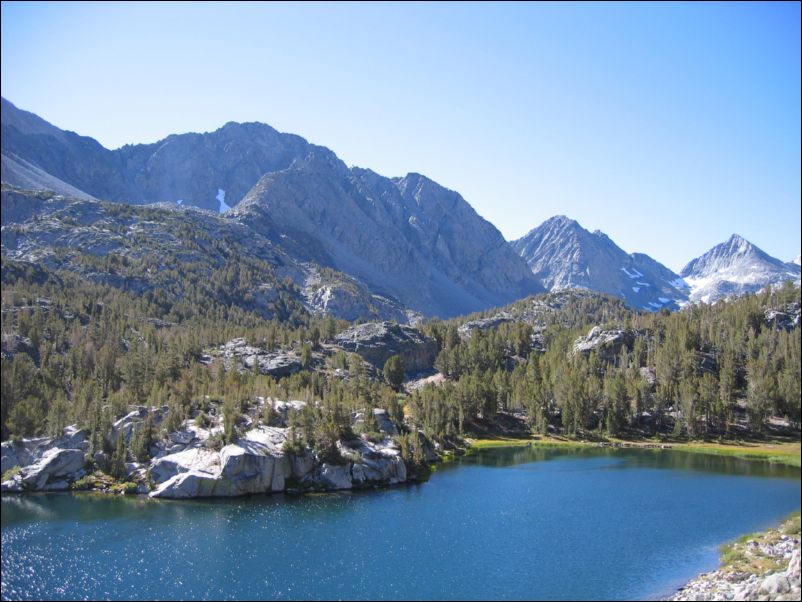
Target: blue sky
x,y
667,126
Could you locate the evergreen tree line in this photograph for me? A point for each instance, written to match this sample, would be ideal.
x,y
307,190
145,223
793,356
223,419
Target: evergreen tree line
x,y
692,372
75,352
81,353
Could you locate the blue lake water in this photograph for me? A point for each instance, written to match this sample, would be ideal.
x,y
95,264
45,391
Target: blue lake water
x,y
504,524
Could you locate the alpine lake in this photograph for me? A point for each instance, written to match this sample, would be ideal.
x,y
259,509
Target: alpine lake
x,y
505,523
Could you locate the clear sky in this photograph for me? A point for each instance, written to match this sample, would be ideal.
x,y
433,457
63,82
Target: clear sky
x,y
668,126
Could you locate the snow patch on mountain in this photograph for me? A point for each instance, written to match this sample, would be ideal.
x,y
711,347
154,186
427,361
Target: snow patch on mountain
x,y
680,283
221,197
635,273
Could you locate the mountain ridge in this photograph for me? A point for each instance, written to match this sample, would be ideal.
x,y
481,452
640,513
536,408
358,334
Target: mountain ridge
x,y
403,238
191,167
563,255
410,237
407,238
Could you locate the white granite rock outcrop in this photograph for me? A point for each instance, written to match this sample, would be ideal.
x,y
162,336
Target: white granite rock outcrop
x,y
377,341
134,421
45,463
238,355
726,584
58,465
258,463
192,462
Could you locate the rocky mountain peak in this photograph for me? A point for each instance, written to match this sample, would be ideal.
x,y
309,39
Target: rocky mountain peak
x,y
738,245
733,252
562,254
562,222
420,189
192,168
408,238
734,267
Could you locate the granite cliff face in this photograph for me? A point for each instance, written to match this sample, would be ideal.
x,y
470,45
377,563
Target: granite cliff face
x,y
164,248
563,255
408,238
376,342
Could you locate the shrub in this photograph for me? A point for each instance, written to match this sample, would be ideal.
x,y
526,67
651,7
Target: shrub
x,y
202,420
293,444
268,413
215,442
126,488
84,483
11,473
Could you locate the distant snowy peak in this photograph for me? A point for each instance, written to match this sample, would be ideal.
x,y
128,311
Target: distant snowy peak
x,y
797,260
563,255
735,267
735,251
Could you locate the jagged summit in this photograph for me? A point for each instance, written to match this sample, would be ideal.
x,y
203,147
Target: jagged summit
x,y
563,255
405,238
733,267
734,251
192,168
556,221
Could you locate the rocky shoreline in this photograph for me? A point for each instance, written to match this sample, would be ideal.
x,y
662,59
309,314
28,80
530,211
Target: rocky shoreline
x,y
191,462
762,566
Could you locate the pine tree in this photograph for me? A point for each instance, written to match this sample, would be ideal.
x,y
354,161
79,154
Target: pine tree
x,y
306,355
117,466
615,401
688,405
394,371
142,440
58,415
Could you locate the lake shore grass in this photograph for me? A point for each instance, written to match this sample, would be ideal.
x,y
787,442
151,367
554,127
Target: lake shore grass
x,y
738,556
755,566
777,452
